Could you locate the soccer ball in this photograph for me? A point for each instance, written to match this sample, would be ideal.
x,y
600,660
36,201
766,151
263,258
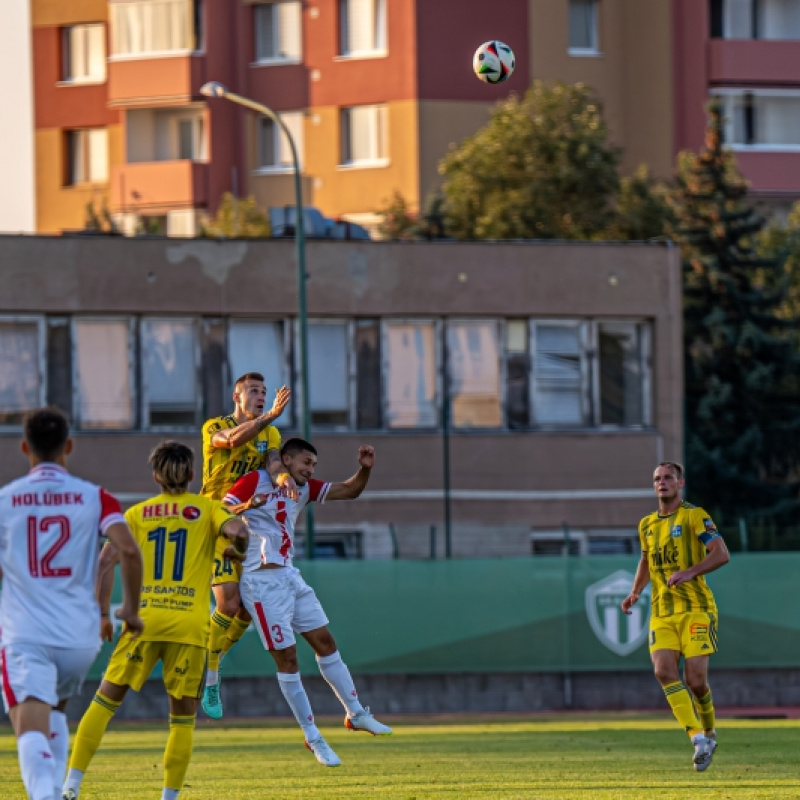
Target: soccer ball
x,y
493,62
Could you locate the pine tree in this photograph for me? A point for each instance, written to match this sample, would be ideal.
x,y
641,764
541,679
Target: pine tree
x,y
741,345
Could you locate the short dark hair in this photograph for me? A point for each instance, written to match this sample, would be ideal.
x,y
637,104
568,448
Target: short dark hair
x,y
296,445
677,468
172,464
46,431
248,376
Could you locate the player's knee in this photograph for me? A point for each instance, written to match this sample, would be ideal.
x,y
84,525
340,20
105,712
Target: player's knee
x,y
698,685
665,674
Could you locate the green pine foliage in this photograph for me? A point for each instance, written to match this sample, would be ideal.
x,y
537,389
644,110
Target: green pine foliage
x,y
741,356
238,219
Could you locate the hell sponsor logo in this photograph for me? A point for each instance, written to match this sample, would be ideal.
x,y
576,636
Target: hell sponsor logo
x,y
621,633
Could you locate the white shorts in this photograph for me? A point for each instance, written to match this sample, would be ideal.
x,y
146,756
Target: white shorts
x,y
281,604
41,672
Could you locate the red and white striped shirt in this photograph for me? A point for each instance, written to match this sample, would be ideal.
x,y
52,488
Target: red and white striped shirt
x,y
51,524
272,525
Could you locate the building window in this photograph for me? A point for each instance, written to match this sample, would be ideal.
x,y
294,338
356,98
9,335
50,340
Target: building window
x,y
279,33
410,365
755,19
362,27
169,367
83,50
767,119
517,370
154,26
86,156
274,153
583,27
258,346
164,135
473,354
365,135
103,374
623,379
21,368
368,374
559,373
329,373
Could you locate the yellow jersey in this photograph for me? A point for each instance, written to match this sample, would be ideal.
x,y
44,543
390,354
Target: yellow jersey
x,y
223,466
177,534
673,543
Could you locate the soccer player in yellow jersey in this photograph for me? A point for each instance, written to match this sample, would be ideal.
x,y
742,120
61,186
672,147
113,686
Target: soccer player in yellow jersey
x,y
234,445
177,533
680,545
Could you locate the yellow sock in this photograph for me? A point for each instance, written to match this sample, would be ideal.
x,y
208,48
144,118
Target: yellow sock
x,y
235,632
216,638
705,710
682,707
178,751
91,729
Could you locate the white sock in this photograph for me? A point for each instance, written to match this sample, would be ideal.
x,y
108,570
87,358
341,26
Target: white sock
x,y
296,697
59,745
212,677
36,765
73,781
335,672
169,794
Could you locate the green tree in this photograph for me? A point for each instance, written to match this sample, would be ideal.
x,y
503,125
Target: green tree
x,y
238,219
541,168
642,209
397,221
742,365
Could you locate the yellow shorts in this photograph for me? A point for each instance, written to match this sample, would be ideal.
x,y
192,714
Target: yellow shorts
x,y
692,634
225,569
183,665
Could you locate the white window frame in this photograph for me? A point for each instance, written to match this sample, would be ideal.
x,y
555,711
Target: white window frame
x,y
594,48
295,122
41,332
83,138
755,27
385,324
198,124
582,326
144,9
350,367
80,36
729,122
277,60
379,142
645,377
380,31
145,389
80,423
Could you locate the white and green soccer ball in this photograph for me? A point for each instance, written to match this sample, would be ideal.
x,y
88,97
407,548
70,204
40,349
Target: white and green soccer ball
x,y
493,62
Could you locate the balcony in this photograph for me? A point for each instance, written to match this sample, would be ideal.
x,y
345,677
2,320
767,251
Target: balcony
x,y
753,61
156,186
167,80
773,174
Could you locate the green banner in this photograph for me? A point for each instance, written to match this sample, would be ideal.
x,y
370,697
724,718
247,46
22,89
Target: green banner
x,y
523,615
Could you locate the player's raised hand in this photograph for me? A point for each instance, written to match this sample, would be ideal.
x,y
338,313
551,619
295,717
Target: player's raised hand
x,y
366,456
132,622
282,398
285,482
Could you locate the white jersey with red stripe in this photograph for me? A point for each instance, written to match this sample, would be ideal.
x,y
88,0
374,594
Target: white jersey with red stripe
x,y
271,526
51,528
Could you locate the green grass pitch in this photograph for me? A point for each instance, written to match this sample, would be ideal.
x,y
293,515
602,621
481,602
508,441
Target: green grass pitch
x,y
599,757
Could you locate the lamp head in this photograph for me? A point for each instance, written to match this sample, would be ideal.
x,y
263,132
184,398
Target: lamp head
x,y
213,89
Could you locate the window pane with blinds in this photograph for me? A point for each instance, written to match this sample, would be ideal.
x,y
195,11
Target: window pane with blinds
x,y
557,375
97,156
20,373
152,26
583,25
255,346
84,53
328,373
274,150
362,26
278,30
103,370
410,370
169,355
364,134
474,372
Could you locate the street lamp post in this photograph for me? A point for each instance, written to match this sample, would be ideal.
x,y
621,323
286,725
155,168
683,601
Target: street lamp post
x,y
215,89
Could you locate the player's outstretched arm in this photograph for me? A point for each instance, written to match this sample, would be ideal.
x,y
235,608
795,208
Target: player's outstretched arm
x,y
352,487
131,570
247,431
104,587
640,580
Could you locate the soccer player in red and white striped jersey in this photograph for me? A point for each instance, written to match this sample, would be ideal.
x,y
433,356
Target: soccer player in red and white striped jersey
x,y
51,529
